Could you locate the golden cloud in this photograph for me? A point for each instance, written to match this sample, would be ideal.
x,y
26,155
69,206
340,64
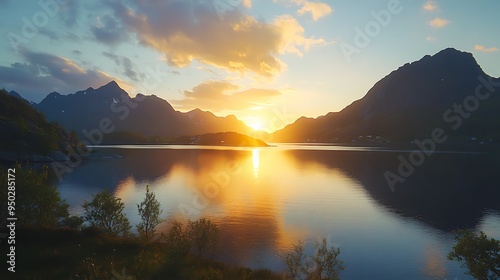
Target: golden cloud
x,y
438,22
222,95
430,6
317,9
292,36
482,48
235,41
247,3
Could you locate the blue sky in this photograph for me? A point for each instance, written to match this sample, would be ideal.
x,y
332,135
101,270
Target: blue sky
x,y
260,60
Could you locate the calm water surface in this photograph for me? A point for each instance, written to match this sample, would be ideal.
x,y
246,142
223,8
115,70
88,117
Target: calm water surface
x,y
266,199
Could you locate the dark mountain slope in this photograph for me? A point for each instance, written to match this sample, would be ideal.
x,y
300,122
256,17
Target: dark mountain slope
x,y
409,103
23,130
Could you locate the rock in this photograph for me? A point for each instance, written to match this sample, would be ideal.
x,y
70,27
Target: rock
x,y
58,156
8,156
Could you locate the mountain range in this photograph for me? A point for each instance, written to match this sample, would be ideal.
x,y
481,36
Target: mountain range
x,y
140,116
447,90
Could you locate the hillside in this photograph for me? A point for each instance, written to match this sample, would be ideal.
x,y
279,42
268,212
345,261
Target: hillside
x,y
23,130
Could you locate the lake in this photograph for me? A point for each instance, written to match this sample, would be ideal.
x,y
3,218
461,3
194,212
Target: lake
x,y
268,198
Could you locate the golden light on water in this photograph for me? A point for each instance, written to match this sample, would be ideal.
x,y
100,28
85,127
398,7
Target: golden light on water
x,y
126,189
256,162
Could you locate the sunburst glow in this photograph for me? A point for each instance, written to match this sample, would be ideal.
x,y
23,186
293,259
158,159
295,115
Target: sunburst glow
x,y
255,123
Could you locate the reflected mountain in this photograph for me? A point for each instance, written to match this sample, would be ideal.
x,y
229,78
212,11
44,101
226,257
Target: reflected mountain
x,y
449,191
146,165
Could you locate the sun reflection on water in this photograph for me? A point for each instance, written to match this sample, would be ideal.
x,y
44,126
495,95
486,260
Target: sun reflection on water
x,y
256,161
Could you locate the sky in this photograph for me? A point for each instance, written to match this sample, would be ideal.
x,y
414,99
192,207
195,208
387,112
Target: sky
x,y
268,62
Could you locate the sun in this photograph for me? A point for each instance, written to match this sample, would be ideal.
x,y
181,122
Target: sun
x,y
255,123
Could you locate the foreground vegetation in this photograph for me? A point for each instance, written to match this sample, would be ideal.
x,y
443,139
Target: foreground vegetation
x,y
65,253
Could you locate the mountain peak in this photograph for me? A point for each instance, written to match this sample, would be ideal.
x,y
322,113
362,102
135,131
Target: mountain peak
x,y
15,94
446,62
453,57
111,89
197,111
451,51
454,54
53,94
111,84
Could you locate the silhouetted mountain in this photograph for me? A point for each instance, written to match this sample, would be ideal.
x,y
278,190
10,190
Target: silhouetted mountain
x,y
24,131
221,139
142,116
15,94
410,103
206,122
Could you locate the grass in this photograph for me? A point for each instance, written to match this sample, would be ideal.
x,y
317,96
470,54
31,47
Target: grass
x,y
64,253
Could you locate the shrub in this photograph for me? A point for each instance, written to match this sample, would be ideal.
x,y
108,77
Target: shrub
x,y
73,222
204,236
178,240
106,212
323,265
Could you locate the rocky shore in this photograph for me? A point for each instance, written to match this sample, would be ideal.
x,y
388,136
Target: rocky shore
x,y
14,156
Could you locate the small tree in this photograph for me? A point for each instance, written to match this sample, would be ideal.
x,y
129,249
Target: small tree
x,y
480,254
106,212
324,265
150,211
294,260
73,222
178,240
204,235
